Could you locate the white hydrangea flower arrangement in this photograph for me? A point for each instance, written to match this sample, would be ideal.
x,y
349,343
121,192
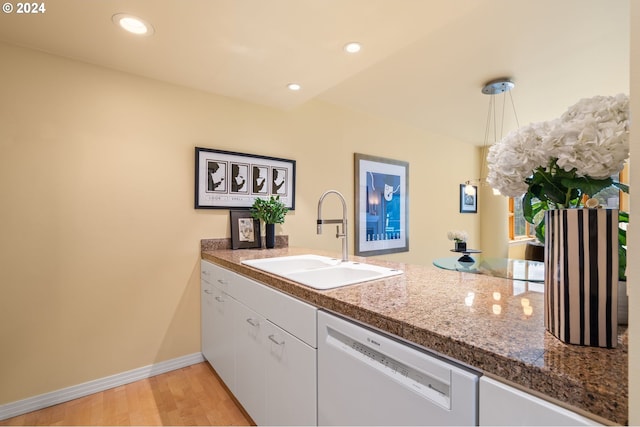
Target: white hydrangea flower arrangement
x,y
555,163
457,236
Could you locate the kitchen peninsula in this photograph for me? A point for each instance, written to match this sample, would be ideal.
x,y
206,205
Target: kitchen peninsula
x,y
492,324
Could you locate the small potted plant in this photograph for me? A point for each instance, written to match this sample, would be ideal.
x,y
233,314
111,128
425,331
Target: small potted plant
x,y
271,211
459,238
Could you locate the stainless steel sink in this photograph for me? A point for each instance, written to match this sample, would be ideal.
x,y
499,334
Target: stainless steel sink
x,y
321,272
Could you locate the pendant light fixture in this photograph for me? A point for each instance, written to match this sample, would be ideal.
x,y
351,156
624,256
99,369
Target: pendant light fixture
x,y
492,88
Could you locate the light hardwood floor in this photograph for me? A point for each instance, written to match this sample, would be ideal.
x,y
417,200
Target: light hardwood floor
x,y
189,396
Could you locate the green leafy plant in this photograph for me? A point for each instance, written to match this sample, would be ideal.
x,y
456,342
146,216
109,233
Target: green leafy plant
x,y
271,211
623,217
556,188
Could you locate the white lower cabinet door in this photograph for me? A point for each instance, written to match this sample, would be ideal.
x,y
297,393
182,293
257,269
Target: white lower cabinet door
x,y
206,320
291,379
219,343
503,405
217,323
250,361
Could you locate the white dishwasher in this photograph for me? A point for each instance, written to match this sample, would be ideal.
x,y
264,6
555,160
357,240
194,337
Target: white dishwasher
x,y
366,378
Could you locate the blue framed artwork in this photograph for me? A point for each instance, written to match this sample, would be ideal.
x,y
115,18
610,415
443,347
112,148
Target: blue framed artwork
x,y
468,199
382,205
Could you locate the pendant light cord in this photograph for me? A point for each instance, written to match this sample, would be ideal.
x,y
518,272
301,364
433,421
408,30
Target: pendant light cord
x,y
490,109
492,88
513,107
491,112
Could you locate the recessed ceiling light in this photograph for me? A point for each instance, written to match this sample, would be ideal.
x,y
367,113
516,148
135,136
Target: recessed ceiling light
x,y
133,24
294,86
352,47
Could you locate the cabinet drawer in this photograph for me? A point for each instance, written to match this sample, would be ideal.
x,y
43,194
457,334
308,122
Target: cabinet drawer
x,y
294,316
250,293
215,275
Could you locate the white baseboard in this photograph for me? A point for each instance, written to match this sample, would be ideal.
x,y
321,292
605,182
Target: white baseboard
x,y
34,403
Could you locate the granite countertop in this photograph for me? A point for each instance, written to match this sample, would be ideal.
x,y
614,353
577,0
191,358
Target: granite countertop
x,y
478,320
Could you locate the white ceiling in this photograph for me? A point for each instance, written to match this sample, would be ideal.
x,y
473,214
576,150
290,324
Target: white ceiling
x,y
423,62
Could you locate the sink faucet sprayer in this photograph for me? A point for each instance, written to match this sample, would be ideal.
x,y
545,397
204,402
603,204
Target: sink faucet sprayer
x,y
343,221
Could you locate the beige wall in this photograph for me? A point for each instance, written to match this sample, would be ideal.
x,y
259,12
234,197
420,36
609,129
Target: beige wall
x,y
494,217
633,269
99,247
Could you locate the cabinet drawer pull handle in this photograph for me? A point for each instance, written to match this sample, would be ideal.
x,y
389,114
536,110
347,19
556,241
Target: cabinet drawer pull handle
x,y
219,299
222,282
253,322
273,339
208,291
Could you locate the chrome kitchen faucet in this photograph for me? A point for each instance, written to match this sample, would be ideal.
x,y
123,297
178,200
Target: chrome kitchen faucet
x,y
343,221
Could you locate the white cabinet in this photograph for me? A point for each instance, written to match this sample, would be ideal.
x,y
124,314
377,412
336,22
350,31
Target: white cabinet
x,y
276,376
291,379
294,316
503,405
251,374
221,353
206,319
267,340
217,324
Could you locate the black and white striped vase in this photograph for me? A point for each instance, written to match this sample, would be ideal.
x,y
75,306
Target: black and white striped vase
x,y
581,276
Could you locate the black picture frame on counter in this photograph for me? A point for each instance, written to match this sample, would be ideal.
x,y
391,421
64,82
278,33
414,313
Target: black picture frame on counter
x,y
245,230
231,180
468,202
382,205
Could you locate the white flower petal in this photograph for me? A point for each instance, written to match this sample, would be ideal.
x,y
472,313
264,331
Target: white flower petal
x,y
592,136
